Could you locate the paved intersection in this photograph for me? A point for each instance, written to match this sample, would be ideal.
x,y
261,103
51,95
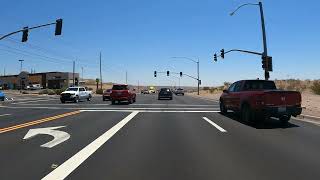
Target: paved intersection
x,y
186,138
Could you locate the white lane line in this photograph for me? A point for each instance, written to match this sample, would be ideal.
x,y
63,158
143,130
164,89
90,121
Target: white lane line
x,y
186,105
214,124
4,115
60,104
25,102
76,160
151,111
95,108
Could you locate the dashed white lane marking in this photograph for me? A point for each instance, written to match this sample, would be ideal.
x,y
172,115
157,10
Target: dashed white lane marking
x,y
4,115
214,124
76,160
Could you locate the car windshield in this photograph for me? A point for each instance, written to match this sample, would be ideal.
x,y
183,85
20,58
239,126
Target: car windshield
x,y
120,87
259,85
72,89
160,89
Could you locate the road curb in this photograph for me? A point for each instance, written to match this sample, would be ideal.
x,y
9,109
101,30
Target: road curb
x,y
304,116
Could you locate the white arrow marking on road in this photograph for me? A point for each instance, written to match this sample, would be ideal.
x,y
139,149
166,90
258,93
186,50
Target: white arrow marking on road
x,y
59,136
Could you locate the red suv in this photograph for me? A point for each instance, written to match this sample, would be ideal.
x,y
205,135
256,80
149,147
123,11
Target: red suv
x,y
121,92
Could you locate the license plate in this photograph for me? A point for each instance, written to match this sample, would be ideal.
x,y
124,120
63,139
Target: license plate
x,y
282,109
119,93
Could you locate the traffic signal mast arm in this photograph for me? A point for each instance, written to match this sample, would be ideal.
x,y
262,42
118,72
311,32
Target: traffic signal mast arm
x,y
245,51
35,27
177,74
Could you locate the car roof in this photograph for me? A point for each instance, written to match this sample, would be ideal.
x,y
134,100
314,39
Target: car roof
x,y
120,84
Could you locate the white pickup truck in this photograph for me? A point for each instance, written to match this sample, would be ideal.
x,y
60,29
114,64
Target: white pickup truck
x,y
75,94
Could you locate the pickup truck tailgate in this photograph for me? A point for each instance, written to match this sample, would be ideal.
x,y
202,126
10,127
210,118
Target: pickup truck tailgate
x,y
282,98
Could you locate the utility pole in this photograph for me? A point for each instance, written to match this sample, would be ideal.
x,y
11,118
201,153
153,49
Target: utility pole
x,y
138,86
126,77
100,73
82,73
21,61
74,64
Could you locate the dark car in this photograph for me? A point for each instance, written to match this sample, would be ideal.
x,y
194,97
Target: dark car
x,y
121,92
106,94
165,93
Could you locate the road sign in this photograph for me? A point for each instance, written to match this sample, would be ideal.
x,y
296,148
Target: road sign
x,y
59,136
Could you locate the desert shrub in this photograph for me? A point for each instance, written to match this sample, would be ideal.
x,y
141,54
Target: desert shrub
x,y
59,91
99,91
47,91
90,89
206,88
316,87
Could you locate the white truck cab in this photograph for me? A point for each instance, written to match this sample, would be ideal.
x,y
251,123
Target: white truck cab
x,y
75,94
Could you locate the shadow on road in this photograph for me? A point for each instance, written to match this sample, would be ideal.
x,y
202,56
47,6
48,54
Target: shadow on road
x,y
266,124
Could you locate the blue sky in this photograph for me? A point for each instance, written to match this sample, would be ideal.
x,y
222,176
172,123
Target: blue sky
x,y
140,36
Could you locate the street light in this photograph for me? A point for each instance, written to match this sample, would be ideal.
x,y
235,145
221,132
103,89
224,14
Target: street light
x,y
265,50
197,62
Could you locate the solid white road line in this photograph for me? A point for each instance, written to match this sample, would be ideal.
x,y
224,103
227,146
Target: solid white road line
x,y
76,160
5,115
214,124
106,108
152,111
186,105
25,102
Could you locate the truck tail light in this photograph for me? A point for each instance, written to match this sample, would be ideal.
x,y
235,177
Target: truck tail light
x,y
260,100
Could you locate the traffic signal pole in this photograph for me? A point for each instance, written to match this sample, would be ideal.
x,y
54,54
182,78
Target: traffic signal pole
x,y
58,28
265,49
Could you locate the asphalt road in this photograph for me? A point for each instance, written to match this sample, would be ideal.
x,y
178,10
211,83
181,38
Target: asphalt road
x,y
186,138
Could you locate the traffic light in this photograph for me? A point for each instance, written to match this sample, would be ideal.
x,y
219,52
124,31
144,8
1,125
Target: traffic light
x,y
269,63
215,57
155,73
58,27
181,74
168,73
76,81
199,82
25,34
222,53
264,63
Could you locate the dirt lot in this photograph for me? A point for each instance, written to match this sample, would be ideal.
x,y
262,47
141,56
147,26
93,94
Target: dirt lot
x,y
310,101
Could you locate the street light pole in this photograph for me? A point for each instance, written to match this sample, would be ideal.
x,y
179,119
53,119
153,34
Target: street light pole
x,y
264,37
197,62
198,77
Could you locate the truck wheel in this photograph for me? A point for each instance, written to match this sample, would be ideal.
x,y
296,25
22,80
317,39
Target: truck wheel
x,y
130,101
103,99
113,102
223,108
285,119
134,100
63,101
246,113
89,99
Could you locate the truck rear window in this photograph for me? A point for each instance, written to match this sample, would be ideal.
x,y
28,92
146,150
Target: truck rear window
x,y
120,87
259,85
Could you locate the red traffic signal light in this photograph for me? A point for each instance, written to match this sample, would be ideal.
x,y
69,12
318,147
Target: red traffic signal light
x,y
25,34
155,73
58,27
215,57
181,74
168,73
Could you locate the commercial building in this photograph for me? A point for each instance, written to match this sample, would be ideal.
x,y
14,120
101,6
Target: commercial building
x,y
50,80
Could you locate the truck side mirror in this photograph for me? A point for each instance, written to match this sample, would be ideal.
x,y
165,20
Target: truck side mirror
x,y
225,91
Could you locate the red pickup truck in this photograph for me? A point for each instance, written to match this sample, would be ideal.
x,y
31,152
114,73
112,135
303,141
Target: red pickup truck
x,y
121,92
256,100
